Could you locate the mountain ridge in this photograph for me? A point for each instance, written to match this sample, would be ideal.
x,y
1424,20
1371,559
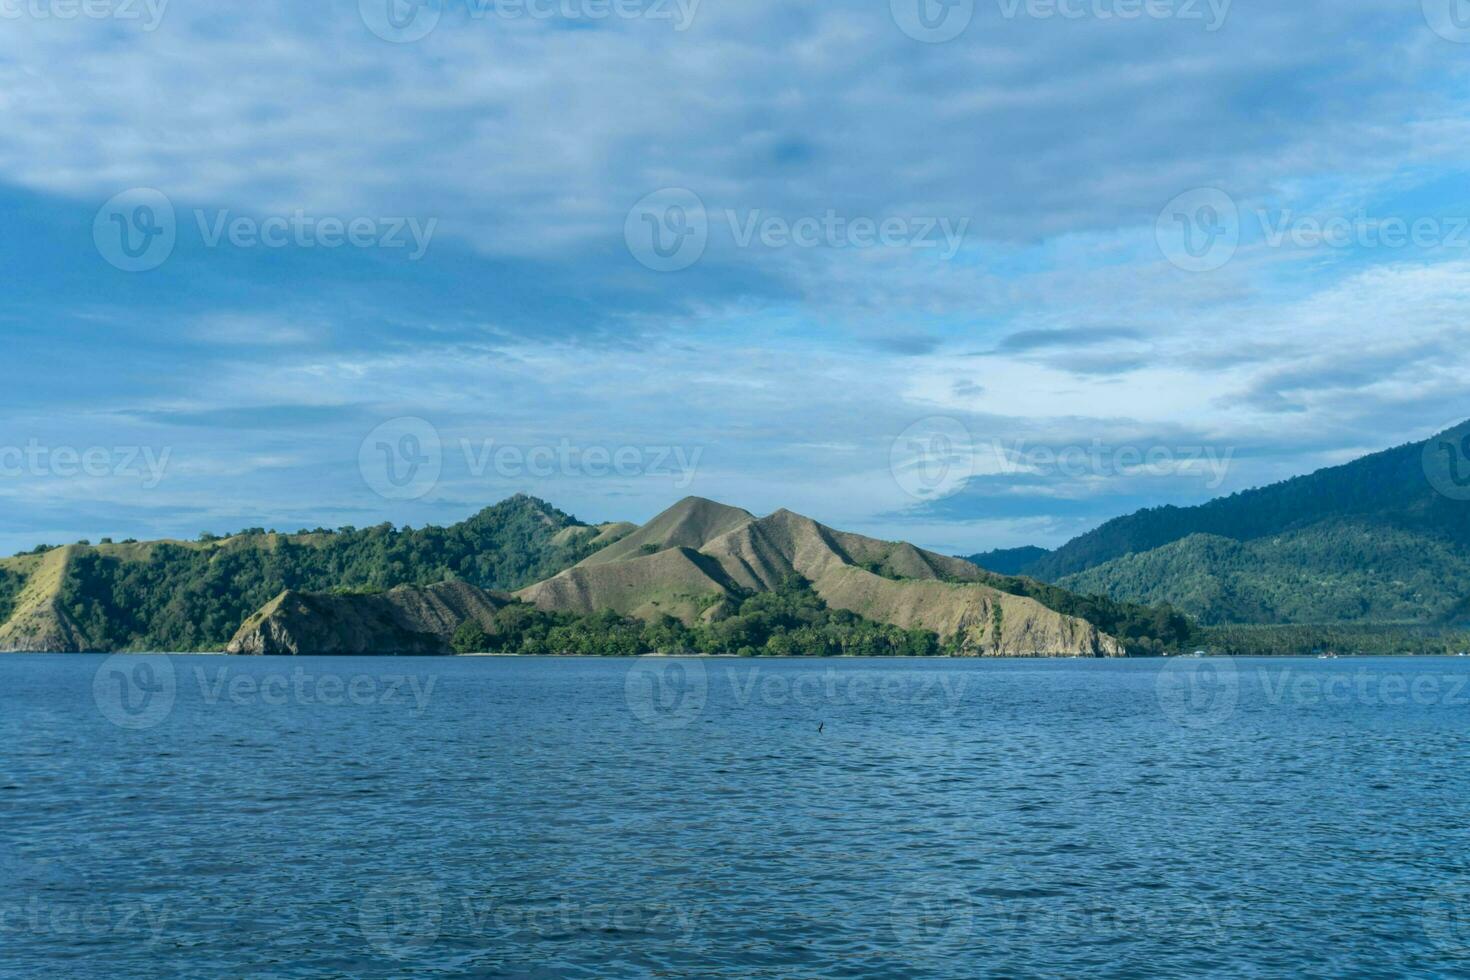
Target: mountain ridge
x,y
695,560
1378,539
193,595
700,575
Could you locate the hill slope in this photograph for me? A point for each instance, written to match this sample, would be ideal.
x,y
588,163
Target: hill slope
x,y
1389,487
696,561
183,596
1371,541
406,620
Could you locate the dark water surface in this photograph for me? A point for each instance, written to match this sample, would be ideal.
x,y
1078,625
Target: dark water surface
x,y
213,817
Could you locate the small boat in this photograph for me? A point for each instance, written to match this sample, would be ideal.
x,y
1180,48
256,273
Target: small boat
x,y
1329,655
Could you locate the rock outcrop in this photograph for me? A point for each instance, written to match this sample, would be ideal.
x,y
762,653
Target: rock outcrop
x,y
408,621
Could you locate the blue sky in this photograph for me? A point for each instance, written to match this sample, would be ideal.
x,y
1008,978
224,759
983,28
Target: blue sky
x,y
974,292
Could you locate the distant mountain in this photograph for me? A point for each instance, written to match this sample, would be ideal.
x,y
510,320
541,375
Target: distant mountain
x,y
1009,561
1383,539
193,595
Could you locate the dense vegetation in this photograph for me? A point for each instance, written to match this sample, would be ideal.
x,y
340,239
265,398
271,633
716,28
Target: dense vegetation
x,y
10,586
177,597
1145,631
1335,571
1344,639
791,621
1372,541
1387,489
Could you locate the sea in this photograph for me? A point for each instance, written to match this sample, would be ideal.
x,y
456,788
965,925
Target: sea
x,y
209,816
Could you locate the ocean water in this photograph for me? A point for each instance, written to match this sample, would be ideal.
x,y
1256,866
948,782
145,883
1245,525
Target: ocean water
x,y
491,817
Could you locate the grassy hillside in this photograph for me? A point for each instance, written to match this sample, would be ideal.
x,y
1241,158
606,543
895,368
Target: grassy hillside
x,y
172,595
1149,630
700,560
790,620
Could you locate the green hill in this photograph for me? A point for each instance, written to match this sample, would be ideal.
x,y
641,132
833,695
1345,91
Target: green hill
x,y
182,596
707,577
1388,488
699,576
1372,541
696,563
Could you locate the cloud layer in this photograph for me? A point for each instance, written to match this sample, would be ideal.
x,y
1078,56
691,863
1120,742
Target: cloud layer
x,y
889,232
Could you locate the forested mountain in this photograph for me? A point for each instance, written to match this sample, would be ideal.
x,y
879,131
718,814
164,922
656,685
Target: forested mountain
x,y
1383,539
174,595
1389,489
711,578
1009,561
695,575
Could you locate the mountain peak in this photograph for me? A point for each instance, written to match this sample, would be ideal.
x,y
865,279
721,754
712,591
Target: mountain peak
x,y
691,523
